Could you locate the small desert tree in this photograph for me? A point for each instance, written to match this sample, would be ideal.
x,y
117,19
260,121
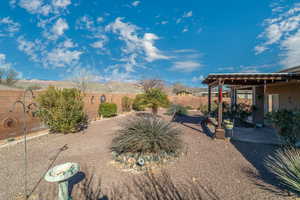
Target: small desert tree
x,y
81,79
8,76
149,84
154,98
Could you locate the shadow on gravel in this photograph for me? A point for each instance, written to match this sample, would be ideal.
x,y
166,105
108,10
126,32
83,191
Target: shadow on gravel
x,y
256,155
144,187
194,122
76,179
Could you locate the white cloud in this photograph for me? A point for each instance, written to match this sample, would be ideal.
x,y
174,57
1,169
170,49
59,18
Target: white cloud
x,y
185,66
135,3
68,43
197,79
188,14
62,57
28,47
134,44
185,15
13,3
95,32
98,44
152,53
100,19
8,27
282,30
260,49
42,8
85,22
61,3
185,30
164,22
59,28
35,6
3,63
63,54
291,45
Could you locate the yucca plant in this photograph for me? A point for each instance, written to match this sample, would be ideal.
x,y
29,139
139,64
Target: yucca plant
x,y
285,164
147,134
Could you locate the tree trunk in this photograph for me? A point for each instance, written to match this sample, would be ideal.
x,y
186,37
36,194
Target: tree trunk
x,y
155,110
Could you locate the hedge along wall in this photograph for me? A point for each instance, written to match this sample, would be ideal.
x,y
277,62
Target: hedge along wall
x,y
92,100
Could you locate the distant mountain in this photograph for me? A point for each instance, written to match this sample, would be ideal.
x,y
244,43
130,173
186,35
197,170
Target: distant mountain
x,y
109,87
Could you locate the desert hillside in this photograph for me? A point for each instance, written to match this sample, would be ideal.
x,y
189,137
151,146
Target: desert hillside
x,y
110,87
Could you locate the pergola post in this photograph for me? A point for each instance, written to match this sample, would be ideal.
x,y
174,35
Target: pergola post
x,y
220,105
220,132
209,100
233,98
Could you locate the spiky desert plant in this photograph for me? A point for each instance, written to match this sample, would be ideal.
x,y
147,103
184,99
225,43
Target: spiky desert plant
x,y
147,134
285,164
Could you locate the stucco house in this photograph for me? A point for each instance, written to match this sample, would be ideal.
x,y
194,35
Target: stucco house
x,y
270,91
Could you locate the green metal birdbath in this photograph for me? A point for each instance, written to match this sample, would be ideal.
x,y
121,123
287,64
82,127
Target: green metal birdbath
x,y
61,174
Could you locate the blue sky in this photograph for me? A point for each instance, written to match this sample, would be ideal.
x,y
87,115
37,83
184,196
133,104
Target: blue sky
x,y
175,40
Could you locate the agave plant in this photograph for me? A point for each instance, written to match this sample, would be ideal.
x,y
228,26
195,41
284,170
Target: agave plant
x,y
285,164
147,134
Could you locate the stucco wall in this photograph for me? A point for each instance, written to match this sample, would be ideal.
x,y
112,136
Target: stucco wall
x,y
289,94
91,100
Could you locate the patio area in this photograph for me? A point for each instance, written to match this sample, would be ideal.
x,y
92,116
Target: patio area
x,y
264,135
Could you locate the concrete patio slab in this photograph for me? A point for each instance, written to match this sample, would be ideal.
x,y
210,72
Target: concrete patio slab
x,y
257,135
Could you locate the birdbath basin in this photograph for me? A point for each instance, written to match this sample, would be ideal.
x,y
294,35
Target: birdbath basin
x,y
61,174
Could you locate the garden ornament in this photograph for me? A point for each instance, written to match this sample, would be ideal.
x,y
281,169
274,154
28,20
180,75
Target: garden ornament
x,y
25,110
141,162
103,99
61,174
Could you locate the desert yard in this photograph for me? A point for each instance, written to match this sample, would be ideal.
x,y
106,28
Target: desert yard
x,y
232,170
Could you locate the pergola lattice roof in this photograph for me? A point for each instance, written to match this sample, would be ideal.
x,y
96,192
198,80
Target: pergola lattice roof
x,y
249,78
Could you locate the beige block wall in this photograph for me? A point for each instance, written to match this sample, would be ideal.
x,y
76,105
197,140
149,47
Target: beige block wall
x,y
289,94
91,101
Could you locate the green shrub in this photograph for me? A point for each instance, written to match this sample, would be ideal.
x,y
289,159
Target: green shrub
x,y
189,107
288,124
62,110
138,103
285,164
204,108
143,135
107,109
152,98
176,109
126,104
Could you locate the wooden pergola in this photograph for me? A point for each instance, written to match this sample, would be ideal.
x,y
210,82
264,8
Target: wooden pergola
x,y
240,80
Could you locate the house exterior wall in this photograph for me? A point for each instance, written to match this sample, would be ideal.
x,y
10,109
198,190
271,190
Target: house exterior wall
x,y
289,94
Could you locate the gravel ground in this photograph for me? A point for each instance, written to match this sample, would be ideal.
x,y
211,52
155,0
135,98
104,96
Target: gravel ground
x,y
234,170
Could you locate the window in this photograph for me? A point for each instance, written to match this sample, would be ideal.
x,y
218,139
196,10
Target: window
x,y
273,102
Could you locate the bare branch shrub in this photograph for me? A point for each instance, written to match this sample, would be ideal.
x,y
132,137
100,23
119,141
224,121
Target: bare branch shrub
x,y
149,84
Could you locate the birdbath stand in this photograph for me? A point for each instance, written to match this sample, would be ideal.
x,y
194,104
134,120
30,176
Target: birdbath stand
x,y
61,174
